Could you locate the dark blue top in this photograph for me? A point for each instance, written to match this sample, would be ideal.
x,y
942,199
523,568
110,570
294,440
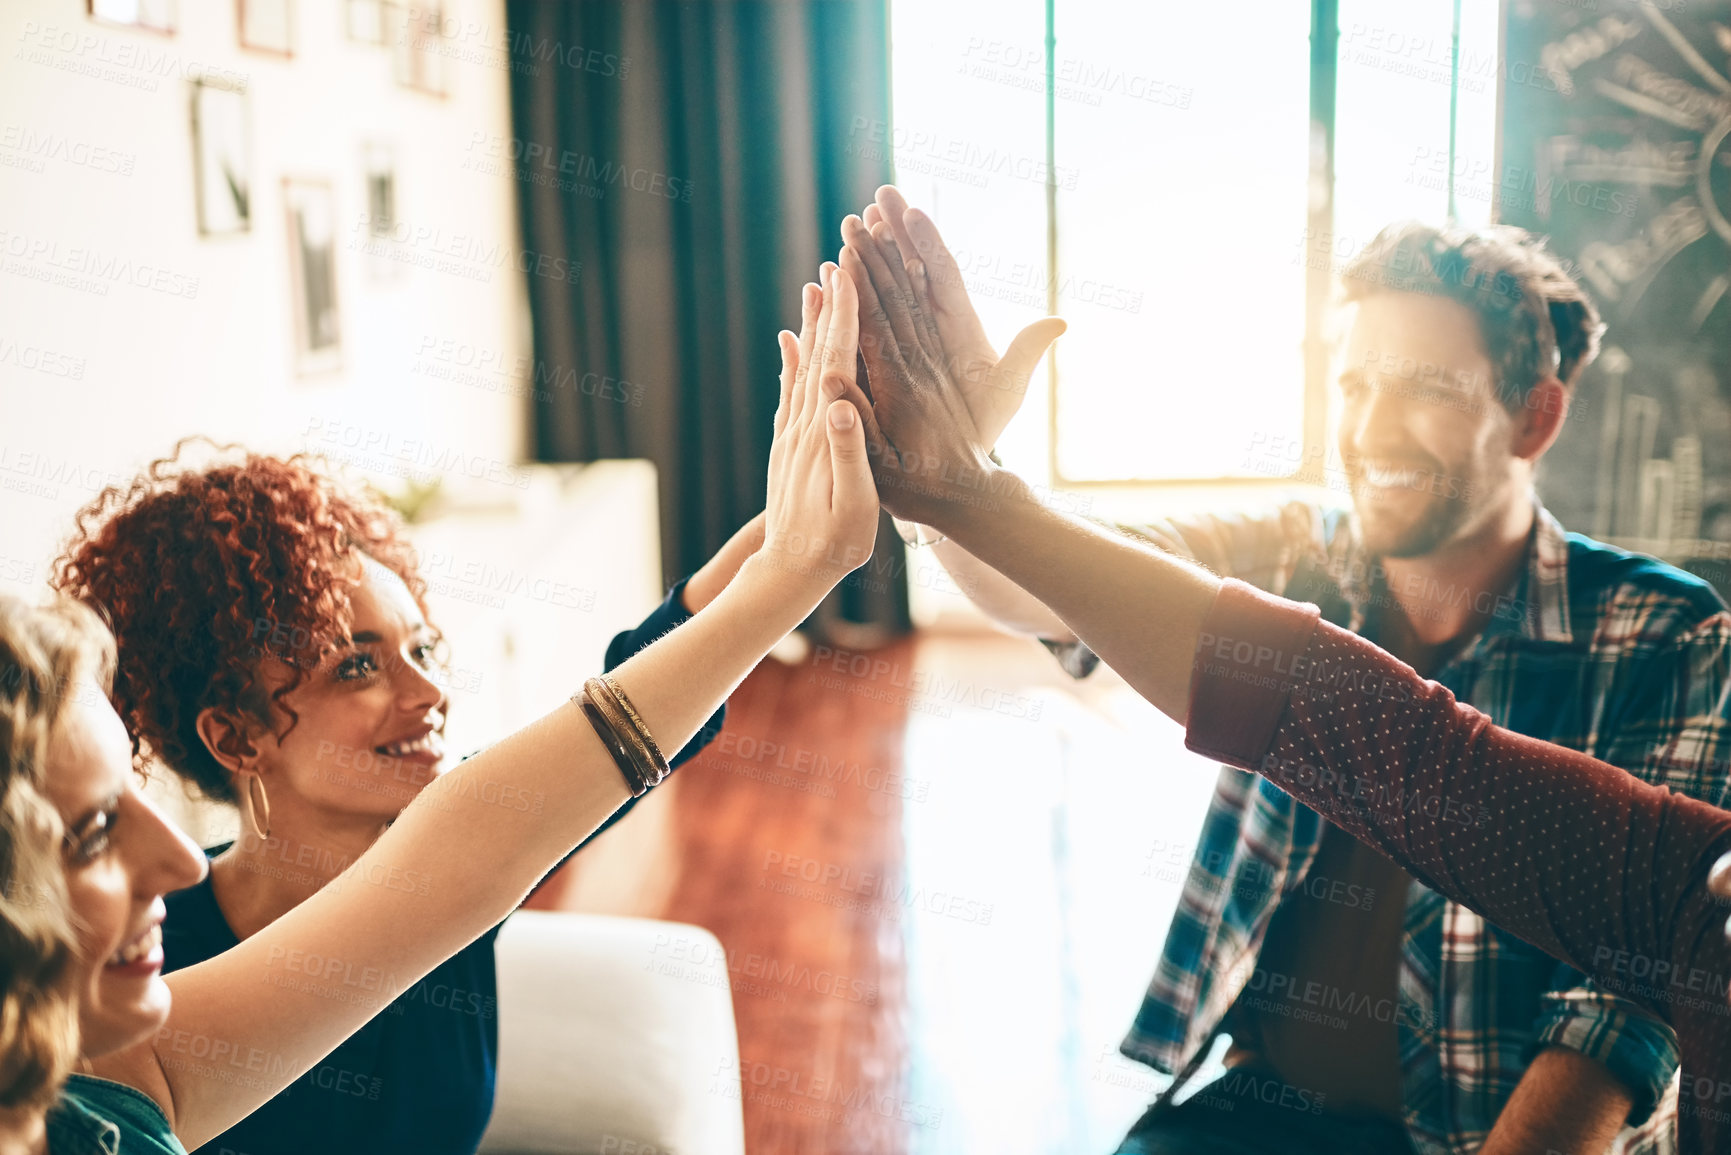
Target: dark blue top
x,y
418,1077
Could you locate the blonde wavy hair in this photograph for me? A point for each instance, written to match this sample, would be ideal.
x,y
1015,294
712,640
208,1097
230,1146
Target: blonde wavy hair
x,y
44,650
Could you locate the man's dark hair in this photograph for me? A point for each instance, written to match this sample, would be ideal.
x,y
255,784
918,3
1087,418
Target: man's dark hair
x,y
1536,320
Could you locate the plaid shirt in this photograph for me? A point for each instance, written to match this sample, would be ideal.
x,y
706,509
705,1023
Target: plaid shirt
x,y
1596,649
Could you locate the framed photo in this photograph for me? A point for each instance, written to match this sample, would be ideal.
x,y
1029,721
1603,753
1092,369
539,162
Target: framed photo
x,y
419,47
222,158
266,25
312,240
155,15
368,21
379,160
379,170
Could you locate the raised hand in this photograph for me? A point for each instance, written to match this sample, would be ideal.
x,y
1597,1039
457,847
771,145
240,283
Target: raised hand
x,y
821,512
993,387
927,453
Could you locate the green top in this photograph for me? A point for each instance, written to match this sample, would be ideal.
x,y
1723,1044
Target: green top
x,y
99,1117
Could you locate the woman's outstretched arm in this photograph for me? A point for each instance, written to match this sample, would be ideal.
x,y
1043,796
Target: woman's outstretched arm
x,y
465,852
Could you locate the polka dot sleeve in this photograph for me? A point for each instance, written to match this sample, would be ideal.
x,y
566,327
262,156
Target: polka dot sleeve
x,y
1585,861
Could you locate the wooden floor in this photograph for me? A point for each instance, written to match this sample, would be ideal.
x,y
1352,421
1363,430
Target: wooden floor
x,y
941,873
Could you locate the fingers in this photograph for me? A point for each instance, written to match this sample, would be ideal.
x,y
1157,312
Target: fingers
x,y
810,301
943,276
877,445
861,242
853,489
818,364
877,340
1026,350
894,259
889,208
789,369
893,208
841,342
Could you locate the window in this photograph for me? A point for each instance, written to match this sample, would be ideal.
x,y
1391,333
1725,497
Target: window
x,y
1170,196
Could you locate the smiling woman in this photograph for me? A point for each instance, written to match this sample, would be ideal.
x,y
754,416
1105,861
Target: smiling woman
x,y
38,1019
275,654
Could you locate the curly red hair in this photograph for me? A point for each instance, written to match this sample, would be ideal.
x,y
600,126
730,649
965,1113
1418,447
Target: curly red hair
x,y
202,572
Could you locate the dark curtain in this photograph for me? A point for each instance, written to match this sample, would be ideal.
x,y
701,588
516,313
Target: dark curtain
x,y
682,170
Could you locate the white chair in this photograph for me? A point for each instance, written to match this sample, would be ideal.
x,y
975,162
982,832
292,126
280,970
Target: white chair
x,y
616,1037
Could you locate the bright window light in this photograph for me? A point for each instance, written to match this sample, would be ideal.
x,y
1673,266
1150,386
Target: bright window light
x,y
1181,157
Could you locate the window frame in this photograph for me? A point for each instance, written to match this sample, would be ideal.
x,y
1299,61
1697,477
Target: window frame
x,y
1318,281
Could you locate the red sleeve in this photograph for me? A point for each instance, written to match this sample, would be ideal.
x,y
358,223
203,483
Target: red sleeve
x,y
1585,861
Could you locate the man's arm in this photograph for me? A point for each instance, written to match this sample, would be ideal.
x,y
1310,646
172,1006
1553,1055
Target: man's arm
x,y
1001,599
1267,548
1565,1103
1125,600
1664,721
1140,609
1144,612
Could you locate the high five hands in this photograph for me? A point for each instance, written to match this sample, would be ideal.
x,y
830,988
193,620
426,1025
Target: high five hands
x,y
939,394
922,425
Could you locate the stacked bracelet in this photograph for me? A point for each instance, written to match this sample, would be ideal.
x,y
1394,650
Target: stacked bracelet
x,y
651,767
622,731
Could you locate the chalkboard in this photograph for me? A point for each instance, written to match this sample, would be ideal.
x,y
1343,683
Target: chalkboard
x,y
1616,143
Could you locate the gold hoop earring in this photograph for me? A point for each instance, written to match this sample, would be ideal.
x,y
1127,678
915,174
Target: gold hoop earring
x,y
255,807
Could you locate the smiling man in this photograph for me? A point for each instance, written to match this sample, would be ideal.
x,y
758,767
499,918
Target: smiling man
x,y
1366,1012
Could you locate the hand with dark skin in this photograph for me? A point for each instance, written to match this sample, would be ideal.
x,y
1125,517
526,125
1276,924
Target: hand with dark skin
x,y
928,447
992,387
925,448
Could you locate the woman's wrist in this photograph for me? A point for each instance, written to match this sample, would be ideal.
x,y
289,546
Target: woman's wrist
x,y
702,587
790,583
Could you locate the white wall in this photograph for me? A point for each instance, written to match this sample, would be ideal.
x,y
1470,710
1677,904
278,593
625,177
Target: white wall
x,y
132,369
536,567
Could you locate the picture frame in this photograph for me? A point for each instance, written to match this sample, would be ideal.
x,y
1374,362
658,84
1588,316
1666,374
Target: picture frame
x,y
150,15
379,164
309,208
368,21
222,157
266,26
418,56
379,180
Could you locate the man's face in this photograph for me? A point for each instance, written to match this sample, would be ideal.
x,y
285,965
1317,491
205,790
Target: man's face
x,y
1425,441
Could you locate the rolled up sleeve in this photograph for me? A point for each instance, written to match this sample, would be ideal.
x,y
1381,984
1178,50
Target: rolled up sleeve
x,y
1639,1049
